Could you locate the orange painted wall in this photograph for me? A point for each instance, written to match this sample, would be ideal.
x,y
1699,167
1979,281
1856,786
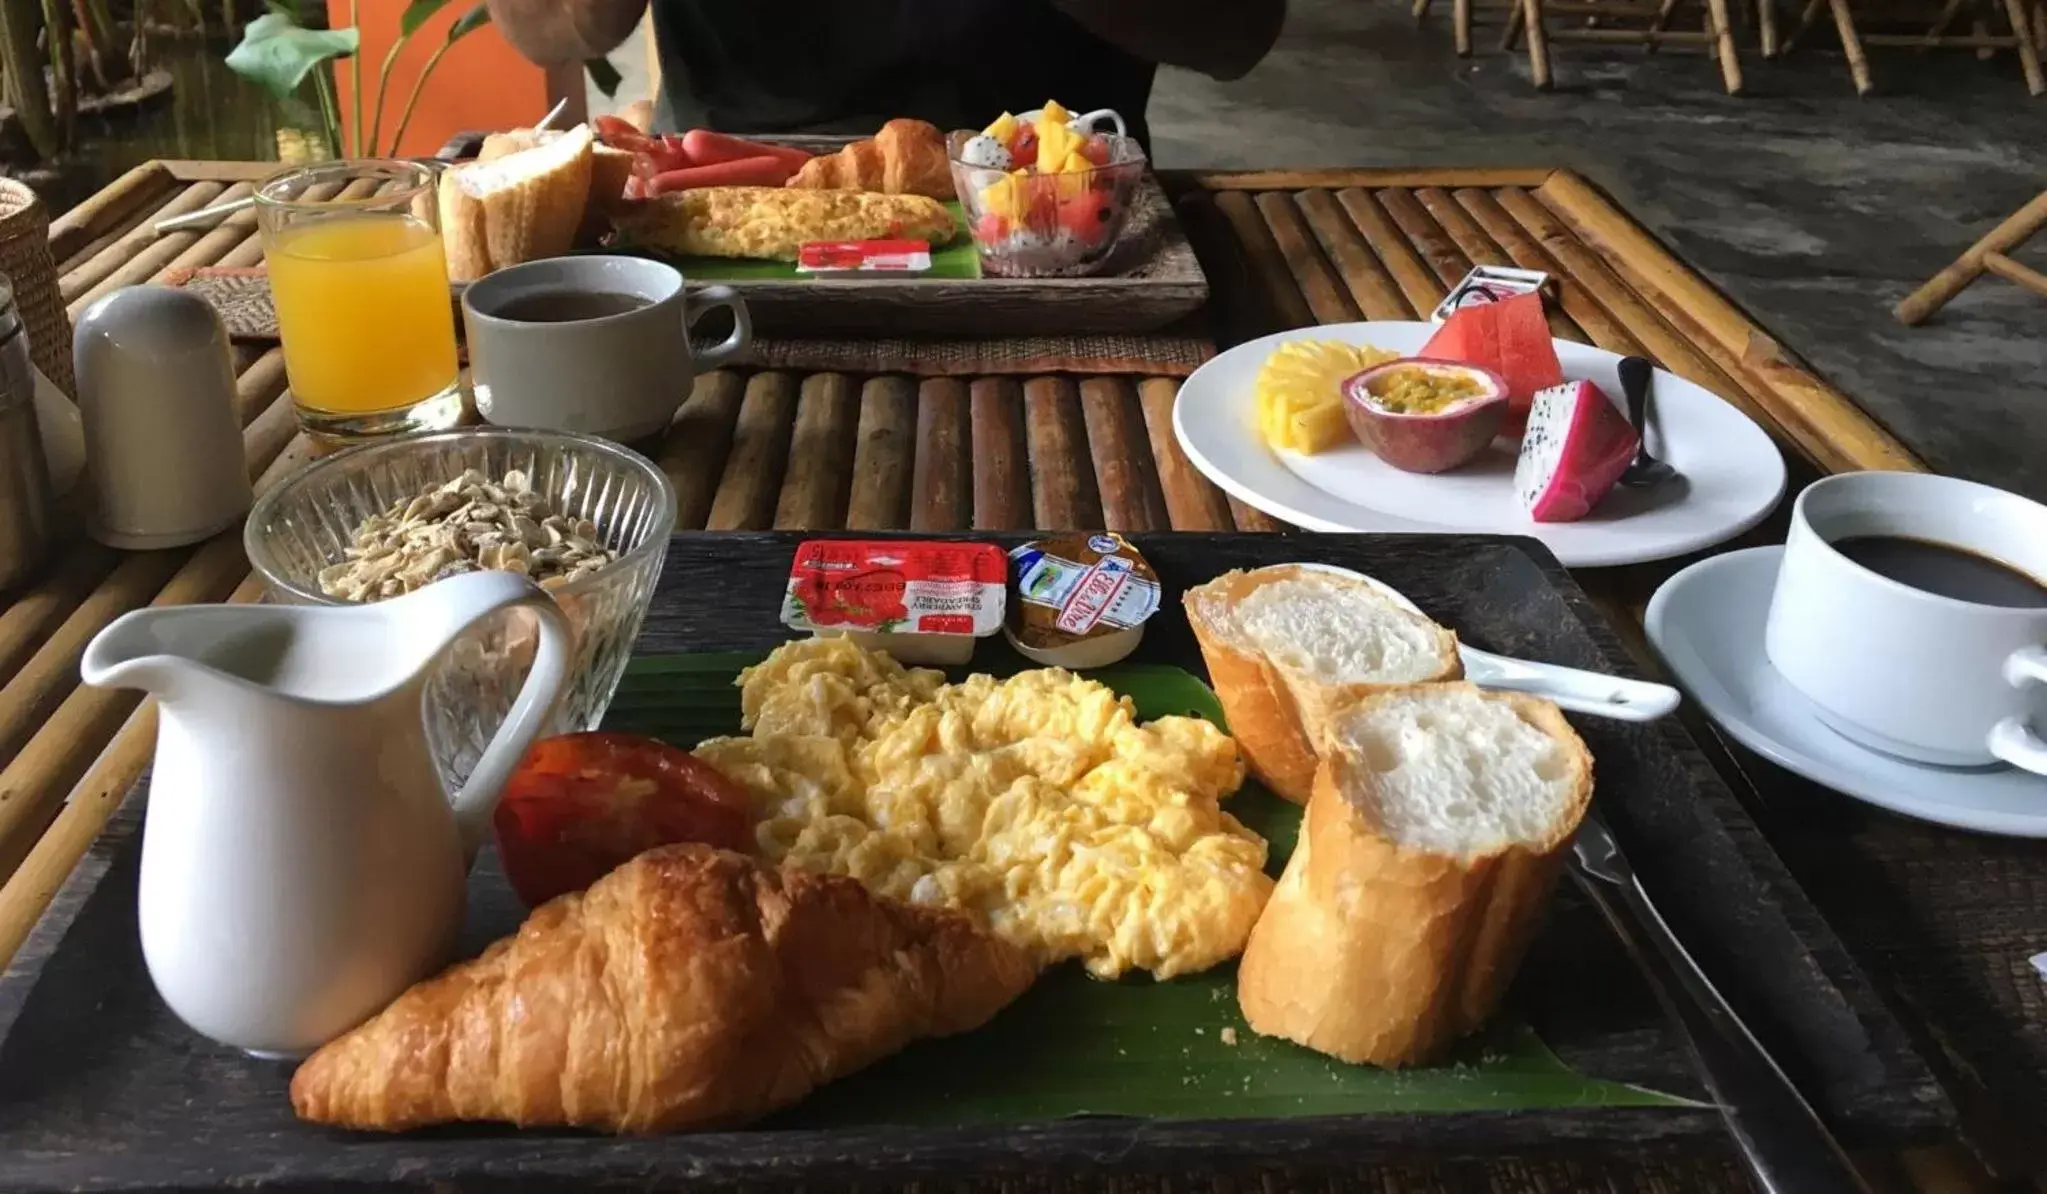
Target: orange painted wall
x,y
481,83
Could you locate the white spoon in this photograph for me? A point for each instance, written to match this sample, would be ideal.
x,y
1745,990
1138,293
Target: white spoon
x,y
1580,691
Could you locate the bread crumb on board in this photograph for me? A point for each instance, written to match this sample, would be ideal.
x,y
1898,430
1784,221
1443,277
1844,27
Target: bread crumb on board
x,y
1229,1036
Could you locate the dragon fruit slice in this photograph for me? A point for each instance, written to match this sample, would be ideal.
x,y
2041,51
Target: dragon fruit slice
x,y
984,150
1576,447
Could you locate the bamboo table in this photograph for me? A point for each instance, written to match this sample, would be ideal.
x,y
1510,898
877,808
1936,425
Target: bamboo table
x,y
829,450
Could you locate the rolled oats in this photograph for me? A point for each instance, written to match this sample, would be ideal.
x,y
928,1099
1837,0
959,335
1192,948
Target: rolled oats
x,y
468,524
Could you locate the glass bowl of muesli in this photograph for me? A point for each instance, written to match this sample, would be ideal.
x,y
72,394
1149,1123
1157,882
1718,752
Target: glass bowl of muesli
x,y
585,518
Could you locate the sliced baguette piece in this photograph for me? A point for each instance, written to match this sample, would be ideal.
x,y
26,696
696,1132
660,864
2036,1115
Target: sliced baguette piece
x,y
610,169
1287,643
531,201
464,238
1437,828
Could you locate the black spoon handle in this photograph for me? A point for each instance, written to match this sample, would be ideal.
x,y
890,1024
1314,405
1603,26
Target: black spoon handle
x,y
1635,373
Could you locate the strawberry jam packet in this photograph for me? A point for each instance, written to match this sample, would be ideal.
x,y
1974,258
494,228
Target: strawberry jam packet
x,y
922,601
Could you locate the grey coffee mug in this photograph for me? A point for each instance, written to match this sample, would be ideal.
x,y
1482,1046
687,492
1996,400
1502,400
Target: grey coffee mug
x,y
620,371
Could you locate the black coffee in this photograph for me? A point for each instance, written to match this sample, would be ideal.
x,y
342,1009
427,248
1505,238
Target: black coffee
x,y
568,306
1945,571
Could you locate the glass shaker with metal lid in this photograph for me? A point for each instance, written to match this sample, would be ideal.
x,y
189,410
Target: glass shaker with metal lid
x,y
26,502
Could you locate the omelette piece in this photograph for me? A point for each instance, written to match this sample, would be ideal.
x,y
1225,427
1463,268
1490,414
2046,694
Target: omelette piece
x,y
775,222
1037,803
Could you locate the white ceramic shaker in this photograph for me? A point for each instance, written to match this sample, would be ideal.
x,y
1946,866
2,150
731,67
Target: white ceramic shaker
x,y
163,443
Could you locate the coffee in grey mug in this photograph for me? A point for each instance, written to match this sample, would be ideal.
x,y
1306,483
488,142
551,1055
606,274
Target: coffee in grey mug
x,y
594,344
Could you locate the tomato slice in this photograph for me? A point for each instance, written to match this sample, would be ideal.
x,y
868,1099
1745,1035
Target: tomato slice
x,y
579,805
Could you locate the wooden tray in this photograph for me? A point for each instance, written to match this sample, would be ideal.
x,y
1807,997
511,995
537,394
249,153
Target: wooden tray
x,y
1155,280
101,1087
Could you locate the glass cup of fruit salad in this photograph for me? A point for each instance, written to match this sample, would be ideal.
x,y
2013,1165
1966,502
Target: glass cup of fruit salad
x,y
1046,197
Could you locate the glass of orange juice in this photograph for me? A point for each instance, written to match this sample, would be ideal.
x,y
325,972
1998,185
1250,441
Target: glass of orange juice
x,y
361,290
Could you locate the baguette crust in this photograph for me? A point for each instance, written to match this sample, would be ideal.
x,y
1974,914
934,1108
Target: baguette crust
x,y
464,237
1378,953
523,199
1276,715
1260,709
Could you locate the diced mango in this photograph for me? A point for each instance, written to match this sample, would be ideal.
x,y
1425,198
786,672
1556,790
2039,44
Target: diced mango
x,y
1004,129
1006,197
1058,145
1056,112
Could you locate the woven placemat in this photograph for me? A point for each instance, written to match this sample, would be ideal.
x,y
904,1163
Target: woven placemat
x,y
242,296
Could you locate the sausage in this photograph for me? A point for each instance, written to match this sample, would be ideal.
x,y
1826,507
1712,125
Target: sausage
x,y
619,134
761,171
705,147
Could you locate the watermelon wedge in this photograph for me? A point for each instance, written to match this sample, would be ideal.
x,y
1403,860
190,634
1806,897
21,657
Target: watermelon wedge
x,y
1511,338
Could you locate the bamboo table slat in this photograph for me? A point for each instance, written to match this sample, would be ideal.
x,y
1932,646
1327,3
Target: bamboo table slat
x,y
825,450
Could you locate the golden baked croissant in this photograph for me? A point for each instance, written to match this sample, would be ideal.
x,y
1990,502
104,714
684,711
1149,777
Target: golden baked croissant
x,y
907,157
689,988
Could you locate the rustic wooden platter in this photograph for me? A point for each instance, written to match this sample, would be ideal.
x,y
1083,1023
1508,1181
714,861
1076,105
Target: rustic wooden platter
x,y
100,1087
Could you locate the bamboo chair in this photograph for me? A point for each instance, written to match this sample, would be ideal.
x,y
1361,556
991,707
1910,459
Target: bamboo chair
x,y
2024,35
1528,19
1844,27
1991,254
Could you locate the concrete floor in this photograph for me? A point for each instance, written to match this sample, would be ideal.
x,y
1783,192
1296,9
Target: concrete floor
x,y
1814,209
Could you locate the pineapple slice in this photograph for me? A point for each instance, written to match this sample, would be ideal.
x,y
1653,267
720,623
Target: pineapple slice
x,y
1300,392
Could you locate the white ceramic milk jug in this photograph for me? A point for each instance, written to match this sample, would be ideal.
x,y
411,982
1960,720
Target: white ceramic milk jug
x,y
301,863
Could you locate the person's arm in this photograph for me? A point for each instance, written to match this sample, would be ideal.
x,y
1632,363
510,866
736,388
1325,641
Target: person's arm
x,y
1223,39
555,31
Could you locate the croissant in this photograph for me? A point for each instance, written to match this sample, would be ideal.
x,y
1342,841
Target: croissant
x,y
689,988
907,157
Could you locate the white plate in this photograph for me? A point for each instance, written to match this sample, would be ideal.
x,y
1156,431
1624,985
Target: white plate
x,y
1733,474
1707,623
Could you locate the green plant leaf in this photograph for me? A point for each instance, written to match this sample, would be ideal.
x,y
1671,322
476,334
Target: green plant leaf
x,y
604,75
418,13
1167,1050
278,53
469,22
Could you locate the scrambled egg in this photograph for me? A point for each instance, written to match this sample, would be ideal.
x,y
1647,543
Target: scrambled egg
x,y
1036,803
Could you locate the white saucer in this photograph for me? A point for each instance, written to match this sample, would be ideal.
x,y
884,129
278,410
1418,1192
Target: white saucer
x,y
1733,474
1707,624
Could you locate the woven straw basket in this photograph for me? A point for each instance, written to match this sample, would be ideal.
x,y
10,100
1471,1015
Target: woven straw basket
x,y
25,259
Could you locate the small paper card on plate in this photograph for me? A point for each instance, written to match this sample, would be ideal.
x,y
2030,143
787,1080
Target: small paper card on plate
x,y
1490,284
894,256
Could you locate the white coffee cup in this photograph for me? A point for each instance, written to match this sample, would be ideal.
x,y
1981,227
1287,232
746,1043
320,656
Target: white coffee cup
x,y
620,375
1914,674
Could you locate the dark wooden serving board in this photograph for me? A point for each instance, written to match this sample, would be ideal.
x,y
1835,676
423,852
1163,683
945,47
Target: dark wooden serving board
x,y
101,1088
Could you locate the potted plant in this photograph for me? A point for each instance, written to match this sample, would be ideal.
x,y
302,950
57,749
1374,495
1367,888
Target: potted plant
x,y
278,52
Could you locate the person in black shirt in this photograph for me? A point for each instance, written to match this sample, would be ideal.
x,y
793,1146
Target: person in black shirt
x,y
846,66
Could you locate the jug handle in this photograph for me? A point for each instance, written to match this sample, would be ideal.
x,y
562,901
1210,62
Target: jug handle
x,y
465,600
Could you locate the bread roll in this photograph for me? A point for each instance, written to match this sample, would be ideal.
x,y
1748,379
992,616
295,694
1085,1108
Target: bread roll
x,y
1434,836
1287,643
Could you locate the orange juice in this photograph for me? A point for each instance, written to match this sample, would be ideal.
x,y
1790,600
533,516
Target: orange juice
x,y
364,312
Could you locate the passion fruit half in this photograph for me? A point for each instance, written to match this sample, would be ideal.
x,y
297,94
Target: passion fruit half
x,y
1423,415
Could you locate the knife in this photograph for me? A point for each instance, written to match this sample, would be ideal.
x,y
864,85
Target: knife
x,y
1784,1143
